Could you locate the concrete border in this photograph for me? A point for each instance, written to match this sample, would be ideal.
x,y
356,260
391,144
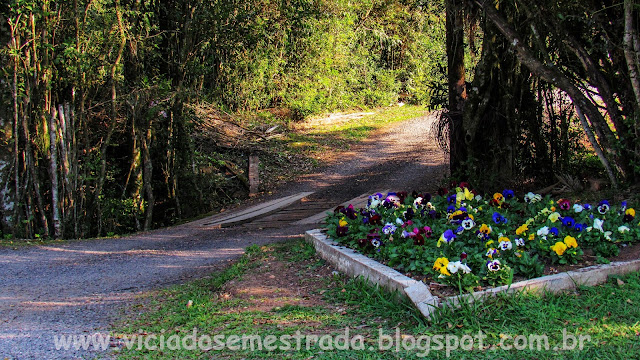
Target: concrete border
x,y
355,264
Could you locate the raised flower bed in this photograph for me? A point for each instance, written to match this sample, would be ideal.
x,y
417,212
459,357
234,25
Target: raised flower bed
x,y
468,243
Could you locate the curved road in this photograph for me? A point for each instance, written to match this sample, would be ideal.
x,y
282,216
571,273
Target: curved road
x,y
81,286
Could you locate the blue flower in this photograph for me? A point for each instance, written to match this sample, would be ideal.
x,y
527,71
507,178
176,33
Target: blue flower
x,y
451,209
579,227
459,230
451,199
587,206
449,236
568,221
499,219
508,194
554,231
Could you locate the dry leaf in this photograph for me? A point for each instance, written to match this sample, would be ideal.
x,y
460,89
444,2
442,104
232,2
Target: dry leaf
x,y
620,282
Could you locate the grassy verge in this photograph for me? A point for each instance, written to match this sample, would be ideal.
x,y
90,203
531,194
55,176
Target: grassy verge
x,y
21,243
605,316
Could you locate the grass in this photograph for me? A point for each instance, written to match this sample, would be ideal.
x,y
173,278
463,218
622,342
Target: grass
x,y
21,243
608,314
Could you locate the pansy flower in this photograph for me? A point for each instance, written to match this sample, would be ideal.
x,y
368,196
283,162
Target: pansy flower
x,y
342,231
522,229
454,267
532,198
570,241
376,220
342,222
577,208
554,216
629,215
376,242
559,248
491,252
543,231
554,231
564,204
568,221
579,227
603,207
587,206
623,229
442,191
350,212
448,236
499,219
418,240
505,244
463,256
493,265
508,194
408,215
427,231
520,242
441,265
389,228
468,224
363,242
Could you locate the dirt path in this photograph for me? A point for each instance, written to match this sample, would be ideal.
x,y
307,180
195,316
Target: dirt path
x,y
80,287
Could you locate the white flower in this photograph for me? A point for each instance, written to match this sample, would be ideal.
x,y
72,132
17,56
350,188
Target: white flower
x,y
543,231
374,204
417,202
607,235
505,245
597,224
399,221
478,197
623,229
468,224
520,242
456,266
578,208
532,198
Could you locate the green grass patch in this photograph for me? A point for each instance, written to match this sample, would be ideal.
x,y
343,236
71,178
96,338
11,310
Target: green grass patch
x,y
605,316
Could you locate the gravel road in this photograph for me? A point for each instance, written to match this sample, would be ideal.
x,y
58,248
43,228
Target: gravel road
x,y
80,287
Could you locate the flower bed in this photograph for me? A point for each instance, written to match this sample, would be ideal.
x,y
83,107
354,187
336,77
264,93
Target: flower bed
x,y
460,239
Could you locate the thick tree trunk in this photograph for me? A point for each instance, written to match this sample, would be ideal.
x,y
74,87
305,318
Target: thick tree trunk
x,y
629,53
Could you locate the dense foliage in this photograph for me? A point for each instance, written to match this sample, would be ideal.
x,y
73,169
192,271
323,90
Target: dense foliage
x,y
463,239
553,78
106,105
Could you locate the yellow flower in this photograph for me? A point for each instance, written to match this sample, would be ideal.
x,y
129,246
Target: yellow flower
x,y
498,197
468,194
559,248
522,229
571,242
554,216
441,265
342,222
470,217
488,243
485,229
532,236
631,212
459,197
504,238
553,208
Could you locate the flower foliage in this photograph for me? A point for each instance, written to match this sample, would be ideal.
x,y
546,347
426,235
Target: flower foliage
x,y
463,239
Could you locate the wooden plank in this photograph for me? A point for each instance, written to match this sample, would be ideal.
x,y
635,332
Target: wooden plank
x,y
359,201
257,211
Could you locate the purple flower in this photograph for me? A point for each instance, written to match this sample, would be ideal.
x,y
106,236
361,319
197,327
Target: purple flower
x,y
554,231
451,199
342,231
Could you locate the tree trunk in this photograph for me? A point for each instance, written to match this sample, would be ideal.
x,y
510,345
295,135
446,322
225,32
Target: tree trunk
x,y
456,83
148,178
53,170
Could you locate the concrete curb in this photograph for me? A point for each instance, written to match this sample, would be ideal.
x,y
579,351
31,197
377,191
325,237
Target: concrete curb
x,y
355,264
